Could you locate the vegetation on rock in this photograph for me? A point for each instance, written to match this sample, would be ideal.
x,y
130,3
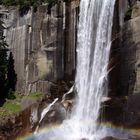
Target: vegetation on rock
x,y
12,77
25,4
11,107
7,73
35,95
3,63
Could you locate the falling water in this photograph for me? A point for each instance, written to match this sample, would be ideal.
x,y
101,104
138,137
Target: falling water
x,y
94,41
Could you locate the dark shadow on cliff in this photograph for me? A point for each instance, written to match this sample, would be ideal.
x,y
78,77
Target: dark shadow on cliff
x,y
123,58
24,10
123,76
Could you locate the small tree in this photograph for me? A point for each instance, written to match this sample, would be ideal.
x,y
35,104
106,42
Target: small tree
x,y
11,77
3,63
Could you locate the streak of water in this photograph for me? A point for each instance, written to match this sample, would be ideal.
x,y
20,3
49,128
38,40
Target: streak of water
x,y
46,110
67,93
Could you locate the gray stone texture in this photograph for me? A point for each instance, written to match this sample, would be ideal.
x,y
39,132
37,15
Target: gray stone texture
x,y
43,44
125,52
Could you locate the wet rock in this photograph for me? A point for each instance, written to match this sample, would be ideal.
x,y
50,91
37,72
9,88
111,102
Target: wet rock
x,y
55,116
109,138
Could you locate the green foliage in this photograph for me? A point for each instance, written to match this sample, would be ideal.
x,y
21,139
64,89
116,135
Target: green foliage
x,y
7,73
13,107
11,95
9,108
9,2
3,63
52,2
35,95
24,5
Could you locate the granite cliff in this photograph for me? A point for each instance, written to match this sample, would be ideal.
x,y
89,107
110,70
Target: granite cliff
x,y
43,44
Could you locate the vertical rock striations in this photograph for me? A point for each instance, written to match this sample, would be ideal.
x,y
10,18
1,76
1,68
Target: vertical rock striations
x,y
43,44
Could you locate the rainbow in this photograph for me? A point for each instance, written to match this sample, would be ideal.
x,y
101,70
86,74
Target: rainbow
x,y
57,127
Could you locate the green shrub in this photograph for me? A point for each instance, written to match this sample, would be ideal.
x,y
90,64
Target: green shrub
x,y
9,109
9,2
11,95
13,107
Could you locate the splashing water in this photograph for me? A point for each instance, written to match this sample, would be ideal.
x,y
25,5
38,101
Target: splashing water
x,y
94,41
46,110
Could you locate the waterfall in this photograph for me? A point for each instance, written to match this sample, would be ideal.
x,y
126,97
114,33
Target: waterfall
x,y
91,82
94,41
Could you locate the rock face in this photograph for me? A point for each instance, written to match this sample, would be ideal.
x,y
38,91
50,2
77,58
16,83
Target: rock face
x,y
125,56
130,53
43,44
125,61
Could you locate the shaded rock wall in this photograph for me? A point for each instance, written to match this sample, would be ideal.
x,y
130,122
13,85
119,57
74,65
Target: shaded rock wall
x,y
43,44
130,53
115,56
124,77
